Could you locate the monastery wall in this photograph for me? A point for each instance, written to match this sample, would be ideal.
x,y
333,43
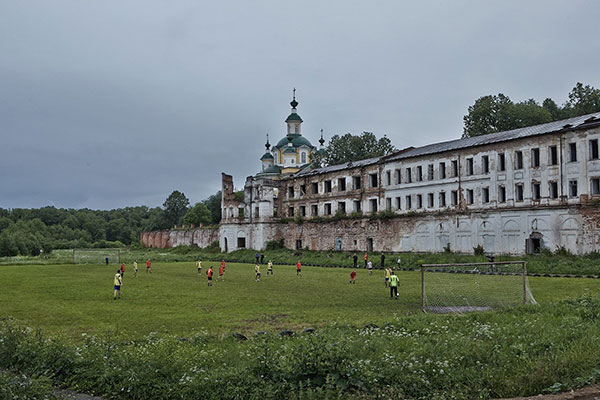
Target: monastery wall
x,y
201,237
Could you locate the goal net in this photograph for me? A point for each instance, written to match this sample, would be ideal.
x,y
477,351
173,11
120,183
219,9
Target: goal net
x,y
459,288
96,256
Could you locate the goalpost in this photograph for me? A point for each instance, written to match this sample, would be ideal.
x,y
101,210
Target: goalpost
x,y
96,256
457,288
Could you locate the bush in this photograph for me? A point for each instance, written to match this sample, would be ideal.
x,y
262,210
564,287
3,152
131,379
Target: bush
x,y
478,250
275,244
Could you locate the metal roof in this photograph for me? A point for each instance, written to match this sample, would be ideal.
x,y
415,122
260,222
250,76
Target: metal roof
x,y
339,167
550,127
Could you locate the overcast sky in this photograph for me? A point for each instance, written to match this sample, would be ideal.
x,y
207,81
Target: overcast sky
x,y
107,104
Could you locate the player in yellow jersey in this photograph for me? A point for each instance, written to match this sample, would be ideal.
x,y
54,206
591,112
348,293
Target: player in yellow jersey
x,y
270,268
135,268
117,282
386,274
199,266
257,271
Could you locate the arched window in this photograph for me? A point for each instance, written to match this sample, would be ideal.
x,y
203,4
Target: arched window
x,y
303,157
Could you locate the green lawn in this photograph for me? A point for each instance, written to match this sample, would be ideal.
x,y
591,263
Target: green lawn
x,y
73,299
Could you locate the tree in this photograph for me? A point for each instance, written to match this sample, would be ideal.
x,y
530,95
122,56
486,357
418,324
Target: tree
x,y
213,203
346,148
584,99
175,208
496,113
198,215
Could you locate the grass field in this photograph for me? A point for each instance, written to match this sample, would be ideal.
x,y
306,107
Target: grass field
x,y
76,299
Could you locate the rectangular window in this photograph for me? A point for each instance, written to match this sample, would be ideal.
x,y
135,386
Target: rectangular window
x,y
342,184
398,204
430,172
553,189
408,202
327,208
594,149
275,210
314,210
552,155
501,194
291,192
290,211
373,180
573,188
535,157
430,200
501,162
356,206
485,195
518,160
519,192
302,190
572,152
388,178
454,197
373,204
595,186
314,188
303,211
327,185
356,182
442,170
419,173
419,201
408,175
485,164
469,166
536,192
398,177
454,168
388,204
341,207
470,196
442,199
256,212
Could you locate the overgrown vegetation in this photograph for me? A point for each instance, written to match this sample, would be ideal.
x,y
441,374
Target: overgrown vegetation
x,y
516,352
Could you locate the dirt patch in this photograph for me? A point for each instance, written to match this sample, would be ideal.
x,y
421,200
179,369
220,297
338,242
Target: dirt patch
x,y
586,393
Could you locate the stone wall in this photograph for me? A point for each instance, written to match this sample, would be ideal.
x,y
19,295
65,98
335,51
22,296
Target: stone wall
x,y
201,237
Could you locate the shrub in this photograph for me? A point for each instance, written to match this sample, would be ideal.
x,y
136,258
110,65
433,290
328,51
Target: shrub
x,y
275,244
478,250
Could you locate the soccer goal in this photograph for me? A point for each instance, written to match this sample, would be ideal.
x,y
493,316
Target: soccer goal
x,y
96,256
459,288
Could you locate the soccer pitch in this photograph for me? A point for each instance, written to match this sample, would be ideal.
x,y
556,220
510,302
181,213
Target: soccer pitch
x,y
76,299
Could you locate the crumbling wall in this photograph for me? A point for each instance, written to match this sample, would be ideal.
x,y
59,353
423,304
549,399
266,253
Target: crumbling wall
x,y
201,237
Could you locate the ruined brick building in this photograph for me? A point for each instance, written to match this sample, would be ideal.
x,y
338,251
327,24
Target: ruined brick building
x,y
511,192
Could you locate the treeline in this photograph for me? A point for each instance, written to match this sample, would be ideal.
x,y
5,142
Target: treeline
x,y
497,113
41,230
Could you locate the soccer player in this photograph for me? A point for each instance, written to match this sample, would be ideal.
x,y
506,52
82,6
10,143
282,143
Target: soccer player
x,y
257,257
148,266
355,259
135,269
399,262
386,275
298,269
221,272
270,268
199,266
122,269
370,267
209,273
117,282
257,271
366,257
353,276
223,264
394,286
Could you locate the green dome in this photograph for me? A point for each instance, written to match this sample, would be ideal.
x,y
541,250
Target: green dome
x,y
290,150
293,117
297,141
267,156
